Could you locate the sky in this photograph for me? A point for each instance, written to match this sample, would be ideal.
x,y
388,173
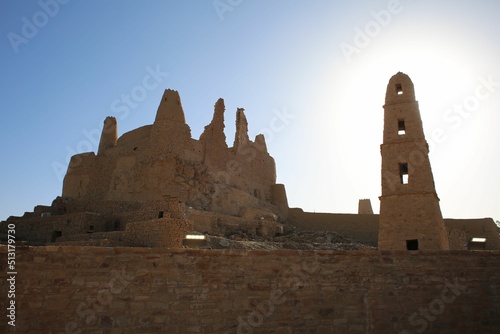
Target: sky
x,y
311,76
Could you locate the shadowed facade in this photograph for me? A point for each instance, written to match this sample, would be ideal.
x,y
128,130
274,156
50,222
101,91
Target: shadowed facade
x,y
410,216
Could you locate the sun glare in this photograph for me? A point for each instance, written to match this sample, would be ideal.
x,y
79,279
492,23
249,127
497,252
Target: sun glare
x,y
354,114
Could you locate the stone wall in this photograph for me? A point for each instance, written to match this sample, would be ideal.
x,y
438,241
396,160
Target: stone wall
x,y
213,223
68,217
164,232
477,228
360,227
364,227
139,290
46,229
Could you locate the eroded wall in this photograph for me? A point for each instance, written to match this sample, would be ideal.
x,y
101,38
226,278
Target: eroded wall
x,y
139,290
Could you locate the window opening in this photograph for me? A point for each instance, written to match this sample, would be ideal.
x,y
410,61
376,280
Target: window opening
x,y
160,214
256,193
55,235
401,127
412,244
399,89
476,243
403,173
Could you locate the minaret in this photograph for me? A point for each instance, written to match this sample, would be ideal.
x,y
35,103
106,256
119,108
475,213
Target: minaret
x,y
410,216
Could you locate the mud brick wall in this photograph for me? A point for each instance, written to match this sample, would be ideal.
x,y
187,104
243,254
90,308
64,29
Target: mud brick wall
x,y
364,228
41,229
360,227
165,232
141,290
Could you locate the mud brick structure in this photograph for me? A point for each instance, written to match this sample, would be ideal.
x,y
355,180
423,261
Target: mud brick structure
x,y
410,217
161,161
139,187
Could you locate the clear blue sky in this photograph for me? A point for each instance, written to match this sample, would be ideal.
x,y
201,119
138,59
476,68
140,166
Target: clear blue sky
x,y
325,64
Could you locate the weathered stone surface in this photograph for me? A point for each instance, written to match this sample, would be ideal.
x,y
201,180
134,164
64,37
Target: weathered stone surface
x,y
208,291
410,216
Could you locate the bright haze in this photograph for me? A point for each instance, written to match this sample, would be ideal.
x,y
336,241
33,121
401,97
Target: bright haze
x,y
311,76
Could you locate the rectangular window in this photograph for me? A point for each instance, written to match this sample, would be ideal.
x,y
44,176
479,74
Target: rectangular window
x,y
412,244
401,127
399,89
403,173
256,193
476,243
160,214
55,235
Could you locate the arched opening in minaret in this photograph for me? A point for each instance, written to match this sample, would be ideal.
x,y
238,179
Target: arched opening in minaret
x,y
399,89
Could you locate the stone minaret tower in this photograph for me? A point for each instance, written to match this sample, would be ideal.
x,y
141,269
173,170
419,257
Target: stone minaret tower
x,y
410,217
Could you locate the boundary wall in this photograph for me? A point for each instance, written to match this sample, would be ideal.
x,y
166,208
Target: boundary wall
x,y
142,290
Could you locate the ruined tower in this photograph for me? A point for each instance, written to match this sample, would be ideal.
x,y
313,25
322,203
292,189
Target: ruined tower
x,y
109,135
241,138
410,216
170,134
